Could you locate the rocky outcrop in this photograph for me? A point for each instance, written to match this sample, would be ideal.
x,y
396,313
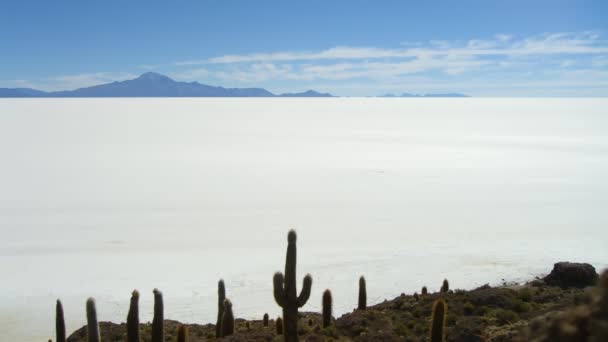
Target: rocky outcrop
x,y
570,274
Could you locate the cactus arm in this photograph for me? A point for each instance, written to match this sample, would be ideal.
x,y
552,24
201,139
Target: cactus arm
x,y
92,325
305,293
59,322
279,292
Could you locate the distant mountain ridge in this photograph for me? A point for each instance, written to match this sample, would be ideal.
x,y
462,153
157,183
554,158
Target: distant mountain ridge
x,y
426,95
153,84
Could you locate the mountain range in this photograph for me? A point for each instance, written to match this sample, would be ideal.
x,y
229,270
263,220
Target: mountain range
x,y
152,84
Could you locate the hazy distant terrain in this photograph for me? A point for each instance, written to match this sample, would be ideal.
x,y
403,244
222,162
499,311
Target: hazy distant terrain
x,y
152,84
98,195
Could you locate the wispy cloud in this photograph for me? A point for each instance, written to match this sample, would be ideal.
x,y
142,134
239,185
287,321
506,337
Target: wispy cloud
x,y
501,45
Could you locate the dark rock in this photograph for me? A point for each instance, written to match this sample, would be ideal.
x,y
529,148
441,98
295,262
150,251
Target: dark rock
x,y
569,274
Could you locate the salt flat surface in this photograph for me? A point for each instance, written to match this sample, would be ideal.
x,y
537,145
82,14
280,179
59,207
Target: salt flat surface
x,y
101,196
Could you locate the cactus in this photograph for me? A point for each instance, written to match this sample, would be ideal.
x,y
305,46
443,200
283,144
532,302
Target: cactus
x,y
326,308
424,291
92,326
182,333
158,330
438,318
445,287
221,296
362,294
133,318
247,325
59,322
265,320
279,326
416,296
310,322
227,319
285,293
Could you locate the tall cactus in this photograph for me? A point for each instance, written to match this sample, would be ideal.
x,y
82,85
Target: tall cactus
x,y
227,319
59,322
182,333
279,326
265,320
285,293
445,287
327,303
158,330
438,318
221,296
92,325
362,294
133,318
424,291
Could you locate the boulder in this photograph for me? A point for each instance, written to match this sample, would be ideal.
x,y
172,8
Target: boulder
x,y
571,274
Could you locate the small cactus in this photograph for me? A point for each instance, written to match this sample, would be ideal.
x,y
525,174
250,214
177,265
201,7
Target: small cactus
x,y
133,318
424,291
221,296
265,320
279,326
158,331
327,308
445,287
92,325
59,322
438,319
227,319
310,322
247,325
182,333
285,293
362,294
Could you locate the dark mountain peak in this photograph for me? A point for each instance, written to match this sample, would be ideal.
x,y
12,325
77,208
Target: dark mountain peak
x,y
153,76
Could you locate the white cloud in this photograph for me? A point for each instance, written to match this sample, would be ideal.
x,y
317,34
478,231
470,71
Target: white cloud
x,y
501,45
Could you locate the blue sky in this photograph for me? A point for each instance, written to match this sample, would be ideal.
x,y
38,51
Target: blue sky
x,y
356,47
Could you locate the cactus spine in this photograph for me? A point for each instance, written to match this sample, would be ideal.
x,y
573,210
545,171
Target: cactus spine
x,y
362,294
279,326
327,308
92,326
59,322
182,333
438,318
227,319
158,330
285,293
265,320
133,318
221,296
445,287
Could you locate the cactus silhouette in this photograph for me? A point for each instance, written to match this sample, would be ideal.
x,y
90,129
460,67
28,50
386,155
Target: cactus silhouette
x,y
424,291
133,318
445,287
158,331
59,322
285,293
227,319
440,309
279,326
92,326
221,296
265,320
182,333
362,294
326,308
